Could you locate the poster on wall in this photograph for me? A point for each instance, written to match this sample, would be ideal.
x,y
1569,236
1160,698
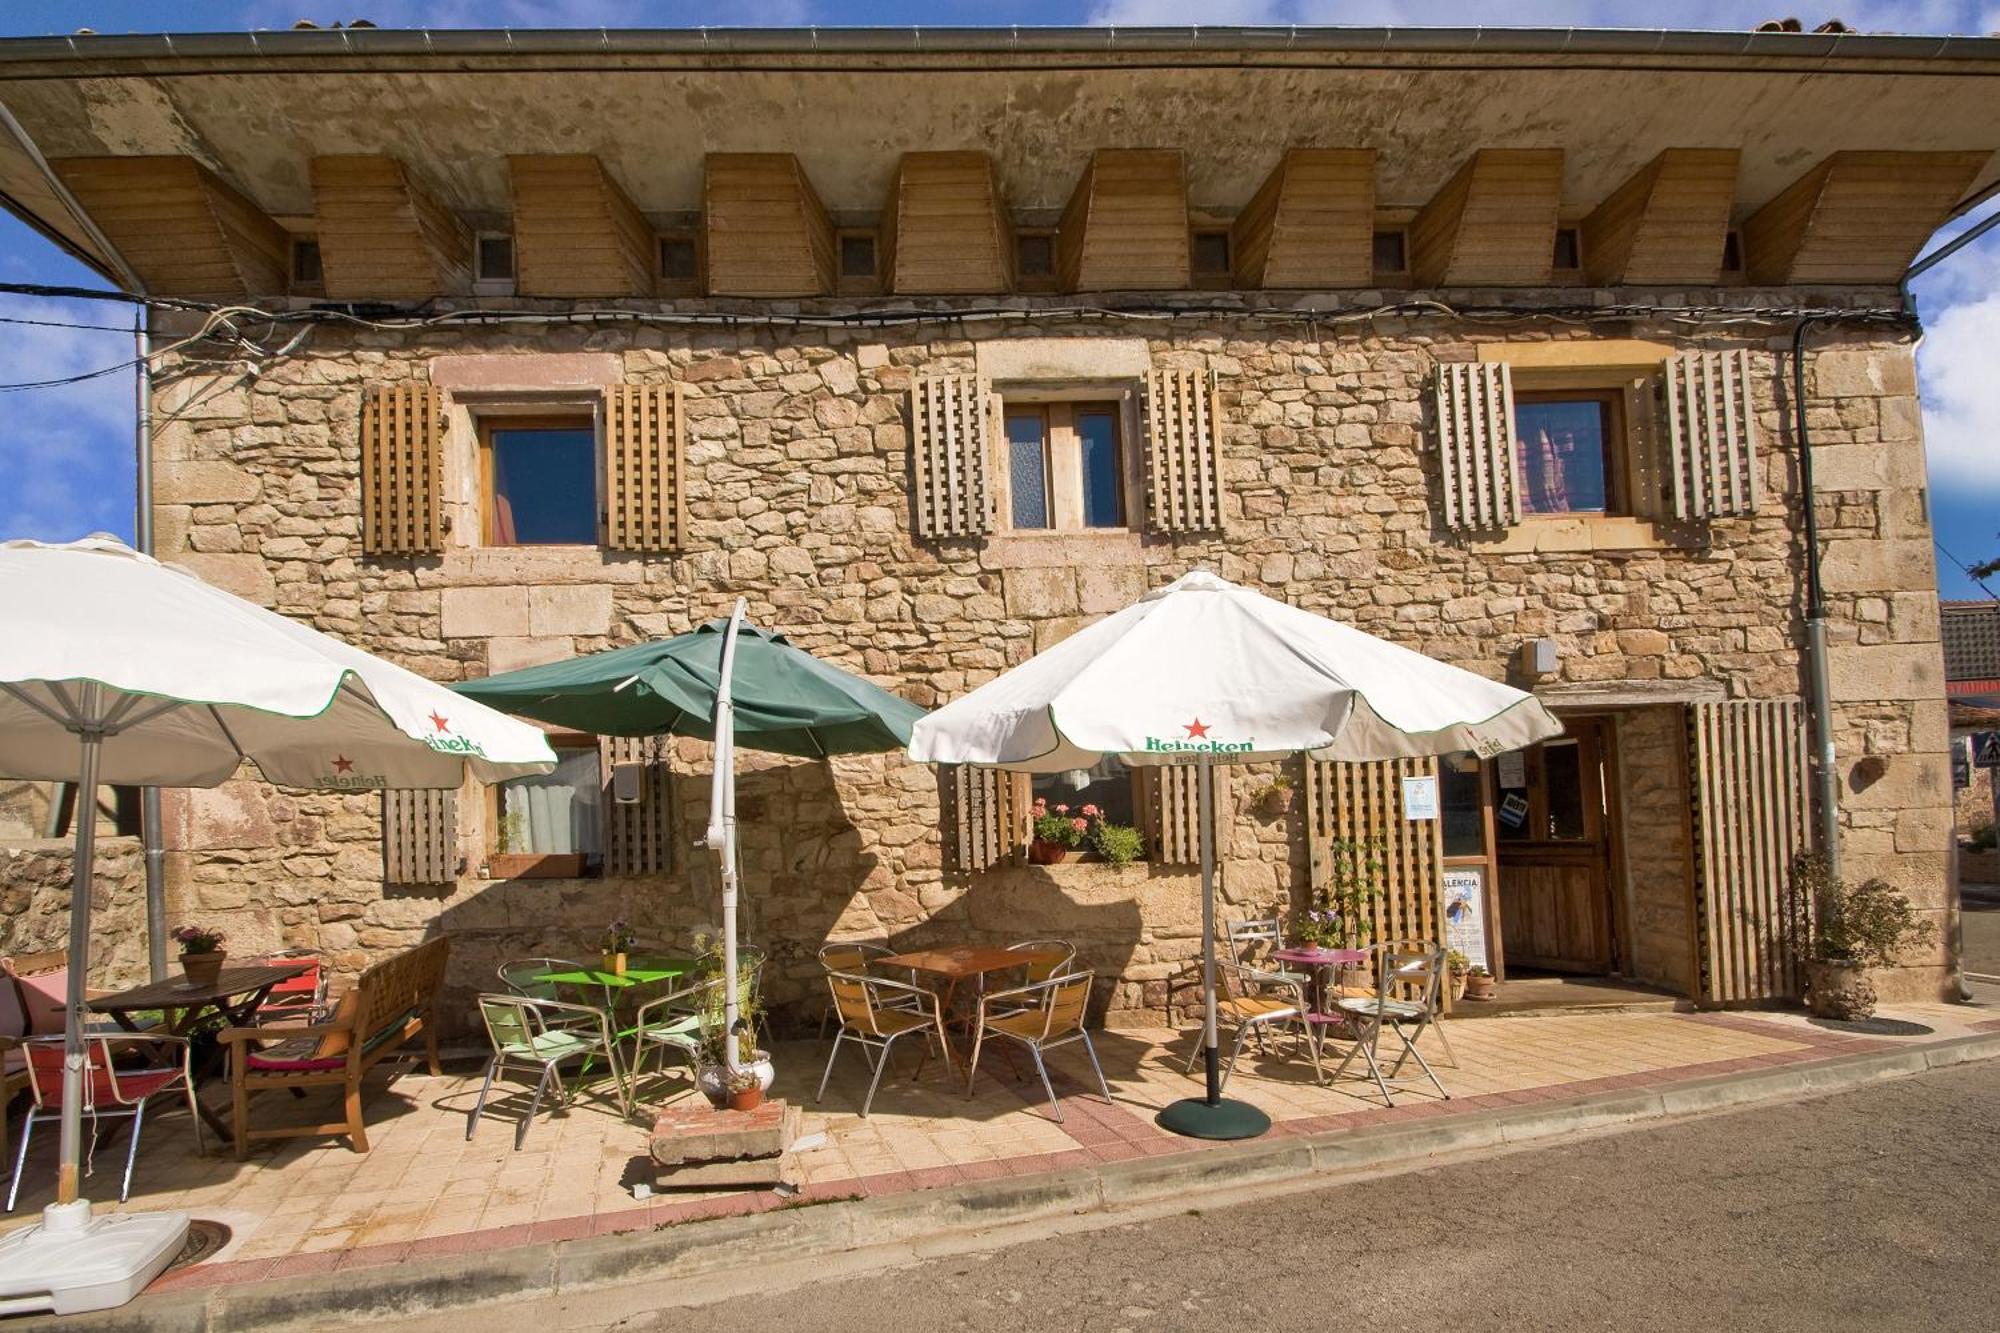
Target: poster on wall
x,y
1420,798
1465,913
1510,770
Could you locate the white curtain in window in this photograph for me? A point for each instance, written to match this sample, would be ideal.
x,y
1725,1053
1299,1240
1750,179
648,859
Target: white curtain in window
x,y
558,812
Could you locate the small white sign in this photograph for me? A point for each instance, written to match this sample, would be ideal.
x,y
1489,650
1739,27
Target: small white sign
x,y
1420,798
1510,770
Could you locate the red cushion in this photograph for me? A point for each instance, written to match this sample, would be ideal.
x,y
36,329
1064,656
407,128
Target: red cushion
x,y
130,1085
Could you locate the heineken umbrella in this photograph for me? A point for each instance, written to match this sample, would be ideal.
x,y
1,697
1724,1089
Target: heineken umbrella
x,y
727,681
1205,672
116,669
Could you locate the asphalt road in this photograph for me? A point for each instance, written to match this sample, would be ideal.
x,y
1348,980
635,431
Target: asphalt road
x,y
1979,913
1875,1209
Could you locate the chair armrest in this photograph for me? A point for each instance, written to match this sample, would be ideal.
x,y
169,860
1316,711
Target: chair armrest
x,y
236,1036
1016,994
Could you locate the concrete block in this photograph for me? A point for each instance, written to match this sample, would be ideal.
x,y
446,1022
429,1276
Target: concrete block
x,y
684,1133
204,483
1037,593
1102,589
511,654
1063,358
577,609
538,371
479,613
1885,672
1865,564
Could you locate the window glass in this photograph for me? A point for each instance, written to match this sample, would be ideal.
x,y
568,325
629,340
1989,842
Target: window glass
x,y
555,812
1464,825
1103,496
1108,787
1028,468
1562,768
544,485
1562,447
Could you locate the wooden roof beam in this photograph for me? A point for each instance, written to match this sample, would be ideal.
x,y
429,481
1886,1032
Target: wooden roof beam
x,y
1311,224
576,233
1667,224
1493,224
184,230
765,230
945,230
1857,217
1125,227
381,235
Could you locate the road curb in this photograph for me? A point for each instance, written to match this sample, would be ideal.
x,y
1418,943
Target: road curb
x,y
706,1249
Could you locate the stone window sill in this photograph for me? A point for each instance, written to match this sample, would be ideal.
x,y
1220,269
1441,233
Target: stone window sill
x,y
1579,533
1058,550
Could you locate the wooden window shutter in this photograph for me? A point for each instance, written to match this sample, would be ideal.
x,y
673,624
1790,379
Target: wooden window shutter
x,y
644,488
1711,436
985,813
402,470
638,837
1363,803
1475,436
1183,477
1174,807
1747,791
950,434
419,837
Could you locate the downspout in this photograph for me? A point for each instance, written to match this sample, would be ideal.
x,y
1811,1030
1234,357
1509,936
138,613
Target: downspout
x,y
721,835
1826,782
151,837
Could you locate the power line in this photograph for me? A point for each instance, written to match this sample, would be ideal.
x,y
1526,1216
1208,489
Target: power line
x,y
1966,570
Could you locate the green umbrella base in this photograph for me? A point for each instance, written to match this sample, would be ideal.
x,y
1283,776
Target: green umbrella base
x,y
1223,1119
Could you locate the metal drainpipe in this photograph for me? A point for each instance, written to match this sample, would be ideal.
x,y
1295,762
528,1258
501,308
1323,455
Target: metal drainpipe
x,y
1825,780
152,838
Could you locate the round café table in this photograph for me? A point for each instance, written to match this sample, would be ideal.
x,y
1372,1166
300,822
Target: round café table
x,y
1323,1012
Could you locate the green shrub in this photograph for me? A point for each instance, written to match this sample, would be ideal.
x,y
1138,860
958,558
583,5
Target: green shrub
x,y
1116,843
1868,923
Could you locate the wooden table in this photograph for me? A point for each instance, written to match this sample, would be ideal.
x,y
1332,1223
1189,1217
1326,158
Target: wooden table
x,y
236,995
959,963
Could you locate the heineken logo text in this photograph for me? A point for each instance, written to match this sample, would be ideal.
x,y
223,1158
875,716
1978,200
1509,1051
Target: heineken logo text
x,y
1196,741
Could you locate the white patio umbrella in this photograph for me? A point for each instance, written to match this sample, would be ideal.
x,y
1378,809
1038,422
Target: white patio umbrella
x,y
116,669
1203,671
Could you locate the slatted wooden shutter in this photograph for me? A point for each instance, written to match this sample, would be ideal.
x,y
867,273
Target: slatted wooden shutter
x,y
950,433
402,470
1183,477
1174,801
1475,436
1363,802
639,838
1747,790
1711,459
985,812
419,837
646,500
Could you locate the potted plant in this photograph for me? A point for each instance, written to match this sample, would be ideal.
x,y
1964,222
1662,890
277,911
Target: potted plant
x,y
1275,797
201,953
745,1092
712,1073
1841,930
1115,844
618,942
1057,832
1478,983
1456,966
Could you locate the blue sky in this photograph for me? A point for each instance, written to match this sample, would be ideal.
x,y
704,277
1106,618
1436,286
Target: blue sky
x,y
66,461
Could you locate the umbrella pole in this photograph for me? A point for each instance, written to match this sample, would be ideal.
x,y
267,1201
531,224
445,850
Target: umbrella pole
x,y
71,1144
722,830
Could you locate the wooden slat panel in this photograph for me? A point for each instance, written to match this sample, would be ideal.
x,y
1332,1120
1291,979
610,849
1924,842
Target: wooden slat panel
x,y
984,815
575,232
1174,810
1711,436
1475,435
381,235
1857,217
181,227
1183,470
945,230
1665,225
1311,224
402,470
1125,227
645,495
949,447
767,233
639,838
1747,791
1493,224
419,837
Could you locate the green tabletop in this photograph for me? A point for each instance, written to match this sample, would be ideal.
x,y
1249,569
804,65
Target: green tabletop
x,y
632,976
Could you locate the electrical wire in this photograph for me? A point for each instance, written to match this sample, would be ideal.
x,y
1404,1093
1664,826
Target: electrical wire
x,y
1966,570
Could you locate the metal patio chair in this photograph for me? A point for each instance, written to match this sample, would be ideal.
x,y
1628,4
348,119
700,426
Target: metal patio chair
x,y
1259,999
672,1023
859,957
870,1019
1041,1015
536,1036
107,1091
1408,976
1252,942
523,976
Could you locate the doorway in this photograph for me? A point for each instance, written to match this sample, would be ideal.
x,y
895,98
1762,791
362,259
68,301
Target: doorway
x,y
1554,830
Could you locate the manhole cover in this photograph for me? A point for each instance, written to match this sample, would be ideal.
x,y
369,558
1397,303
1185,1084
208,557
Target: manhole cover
x,y
205,1240
1874,1027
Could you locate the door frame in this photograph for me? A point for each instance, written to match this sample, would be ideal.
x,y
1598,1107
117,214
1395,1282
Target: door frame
x,y
1604,738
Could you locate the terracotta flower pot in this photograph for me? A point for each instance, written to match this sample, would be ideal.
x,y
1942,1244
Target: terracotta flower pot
x,y
1276,801
1478,988
1047,853
747,1100
203,969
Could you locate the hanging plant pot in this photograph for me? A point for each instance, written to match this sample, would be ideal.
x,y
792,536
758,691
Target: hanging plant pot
x,y
1043,853
1275,801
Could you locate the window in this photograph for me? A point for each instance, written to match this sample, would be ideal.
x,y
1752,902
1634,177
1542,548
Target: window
x,y
539,479
495,258
1732,252
857,254
558,813
1065,465
1210,256
1569,443
1569,250
680,266
1035,260
1461,805
1109,787
306,270
1390,252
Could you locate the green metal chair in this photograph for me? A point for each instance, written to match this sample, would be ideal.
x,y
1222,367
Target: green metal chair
x,y
673,1023
536,1036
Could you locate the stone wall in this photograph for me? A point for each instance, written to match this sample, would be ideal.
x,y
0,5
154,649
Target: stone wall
x,y
798,497
35,879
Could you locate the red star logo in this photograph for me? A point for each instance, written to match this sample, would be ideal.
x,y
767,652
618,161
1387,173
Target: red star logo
x,y
1197,728
342,764
440,722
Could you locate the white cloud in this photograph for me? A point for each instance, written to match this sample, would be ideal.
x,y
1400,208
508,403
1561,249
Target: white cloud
x,y
1960,300
515,13
1738,15
66,454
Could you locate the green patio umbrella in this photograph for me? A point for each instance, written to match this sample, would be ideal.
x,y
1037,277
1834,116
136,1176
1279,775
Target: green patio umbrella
x,y
728,681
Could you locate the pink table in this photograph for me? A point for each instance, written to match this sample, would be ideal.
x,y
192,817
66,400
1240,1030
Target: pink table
x,y
1324,1012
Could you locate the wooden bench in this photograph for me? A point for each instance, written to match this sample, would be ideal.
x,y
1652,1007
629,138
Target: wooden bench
x,y
389,1004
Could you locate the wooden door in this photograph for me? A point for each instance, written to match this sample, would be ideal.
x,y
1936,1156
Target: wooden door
x,y
1554,843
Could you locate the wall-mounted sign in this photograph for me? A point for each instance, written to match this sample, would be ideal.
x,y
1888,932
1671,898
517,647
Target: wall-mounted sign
x,y
1511,769
1420,798
1986,749
1465,913
1513,810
